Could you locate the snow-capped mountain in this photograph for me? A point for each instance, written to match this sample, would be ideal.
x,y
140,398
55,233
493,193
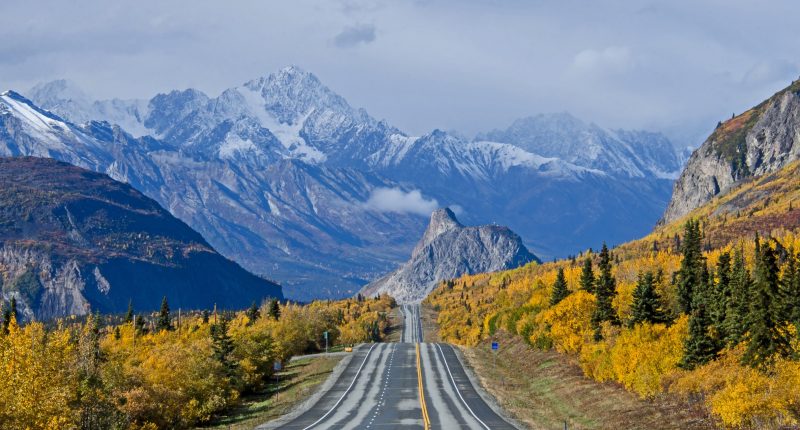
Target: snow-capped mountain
x,y
634,154
280,174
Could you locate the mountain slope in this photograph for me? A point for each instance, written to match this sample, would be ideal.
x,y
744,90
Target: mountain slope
x,y
448,250
282,175
73,241
761,140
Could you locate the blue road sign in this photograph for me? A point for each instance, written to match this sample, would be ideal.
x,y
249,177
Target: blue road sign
x,y
276,366
495,346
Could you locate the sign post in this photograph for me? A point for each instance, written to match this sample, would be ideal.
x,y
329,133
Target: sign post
x,y
325,334
495,348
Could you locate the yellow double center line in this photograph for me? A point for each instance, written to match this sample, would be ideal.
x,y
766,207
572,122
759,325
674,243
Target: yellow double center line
x,y
425,419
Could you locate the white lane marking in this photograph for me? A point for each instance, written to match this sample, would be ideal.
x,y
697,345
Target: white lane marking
x,y
355,378
444,359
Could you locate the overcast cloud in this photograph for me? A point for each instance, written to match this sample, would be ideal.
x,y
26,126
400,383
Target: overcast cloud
x,y
675,66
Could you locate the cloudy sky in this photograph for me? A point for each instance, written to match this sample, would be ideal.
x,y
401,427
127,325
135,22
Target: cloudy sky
x,y
467,65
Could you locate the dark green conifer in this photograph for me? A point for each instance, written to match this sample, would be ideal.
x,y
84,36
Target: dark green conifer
x,y
274,309
560,290
223,347
163,322
790,281
646,305
692,265
767,332
698,348
605,291
253,313
129,314
736,308
587,276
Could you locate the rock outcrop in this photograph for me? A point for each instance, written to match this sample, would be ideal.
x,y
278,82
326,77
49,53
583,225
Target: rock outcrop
x,y
73,241
448,250
761,140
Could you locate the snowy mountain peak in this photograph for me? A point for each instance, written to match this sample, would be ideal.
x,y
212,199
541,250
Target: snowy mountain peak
x,y
631,154
59,90
292,93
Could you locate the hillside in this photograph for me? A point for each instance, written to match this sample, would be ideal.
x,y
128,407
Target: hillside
x,y
759,141
447,250
73,242
706,307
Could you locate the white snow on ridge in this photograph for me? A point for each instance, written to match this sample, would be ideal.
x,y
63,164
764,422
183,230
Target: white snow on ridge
x,y
38,124
233,145
287,134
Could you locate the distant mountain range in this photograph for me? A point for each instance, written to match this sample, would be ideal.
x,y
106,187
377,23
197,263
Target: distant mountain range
x,y
450,250
73,241
282,175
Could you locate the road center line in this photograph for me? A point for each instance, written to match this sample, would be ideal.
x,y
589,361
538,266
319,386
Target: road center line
x,y
425,419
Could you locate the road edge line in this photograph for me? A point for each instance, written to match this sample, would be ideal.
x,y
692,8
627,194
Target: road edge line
x,y
355,378
455,387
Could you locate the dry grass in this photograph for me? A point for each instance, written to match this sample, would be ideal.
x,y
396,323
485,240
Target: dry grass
x,y
395,330
297,382
544,389
430,330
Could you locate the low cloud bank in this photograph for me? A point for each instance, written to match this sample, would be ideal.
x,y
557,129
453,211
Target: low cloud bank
x,y
399,201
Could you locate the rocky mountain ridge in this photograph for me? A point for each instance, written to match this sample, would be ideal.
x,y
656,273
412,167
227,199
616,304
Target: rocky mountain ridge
x,y
73,241
448,250
284,176
759,141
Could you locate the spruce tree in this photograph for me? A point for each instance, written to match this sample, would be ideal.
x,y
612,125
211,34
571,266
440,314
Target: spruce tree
x,y
646,305
274,309
253,313
767,331
163,322
223,347
721,293
736,308
790,281
605,291
698,348
692,264
587,276
129,314
560,290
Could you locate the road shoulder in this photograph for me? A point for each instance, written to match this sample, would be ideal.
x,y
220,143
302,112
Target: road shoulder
x,y
313,399
487,397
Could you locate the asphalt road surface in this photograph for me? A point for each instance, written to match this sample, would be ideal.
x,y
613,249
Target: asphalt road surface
x,y
406,385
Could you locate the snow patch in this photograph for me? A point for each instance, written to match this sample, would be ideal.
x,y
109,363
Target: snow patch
x,y
288,134
234,145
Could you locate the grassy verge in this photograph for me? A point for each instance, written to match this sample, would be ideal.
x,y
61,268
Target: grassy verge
x,y
395,330
545,389
430,330
297,382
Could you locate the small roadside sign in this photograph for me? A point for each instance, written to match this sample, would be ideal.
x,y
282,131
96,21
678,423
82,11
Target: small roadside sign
x,y
495,346
325,334
276,366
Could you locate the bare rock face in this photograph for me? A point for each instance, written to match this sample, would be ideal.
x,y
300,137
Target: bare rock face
x,y
448,250
760,141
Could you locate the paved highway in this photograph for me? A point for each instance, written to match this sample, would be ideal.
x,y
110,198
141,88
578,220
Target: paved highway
x,y
406,385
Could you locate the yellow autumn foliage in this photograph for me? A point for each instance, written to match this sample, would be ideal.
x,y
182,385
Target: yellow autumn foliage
x,y
81,375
